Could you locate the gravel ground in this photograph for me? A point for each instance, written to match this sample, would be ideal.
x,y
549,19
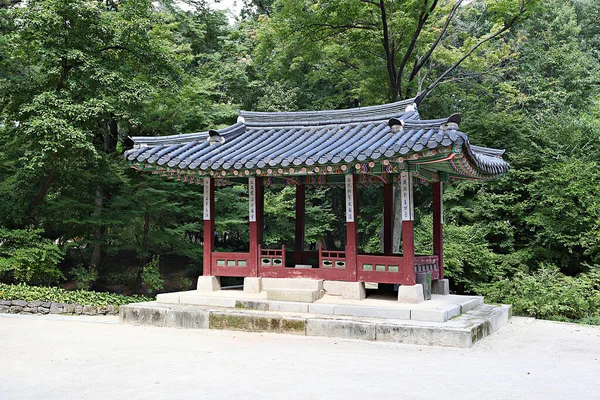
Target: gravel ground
x,y
56,357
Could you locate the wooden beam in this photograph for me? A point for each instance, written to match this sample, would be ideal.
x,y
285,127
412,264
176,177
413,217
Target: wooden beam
x,y
209,225
300,222
438,224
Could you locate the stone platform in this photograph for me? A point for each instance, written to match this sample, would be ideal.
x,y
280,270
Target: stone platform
x,y
457,321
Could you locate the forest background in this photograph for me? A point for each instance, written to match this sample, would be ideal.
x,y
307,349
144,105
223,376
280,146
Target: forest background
x,y
79,77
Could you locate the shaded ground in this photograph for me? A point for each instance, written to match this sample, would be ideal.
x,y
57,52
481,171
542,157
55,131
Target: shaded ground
x,y
94,358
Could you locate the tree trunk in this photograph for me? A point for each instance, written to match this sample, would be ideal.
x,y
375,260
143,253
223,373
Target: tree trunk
x,y
97,251
42,193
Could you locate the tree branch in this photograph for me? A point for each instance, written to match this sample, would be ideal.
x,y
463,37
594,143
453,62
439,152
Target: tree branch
x,y
419,64
507,26
423,16
389,53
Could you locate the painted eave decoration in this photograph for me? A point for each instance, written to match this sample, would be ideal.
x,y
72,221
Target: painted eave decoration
x,y
384,139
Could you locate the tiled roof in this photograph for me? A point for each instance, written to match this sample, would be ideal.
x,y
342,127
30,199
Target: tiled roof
x,y
309,138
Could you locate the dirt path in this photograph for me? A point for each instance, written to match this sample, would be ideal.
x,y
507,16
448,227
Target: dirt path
x,y
95,358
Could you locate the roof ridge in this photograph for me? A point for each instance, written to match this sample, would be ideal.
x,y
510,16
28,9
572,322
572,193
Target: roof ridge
x,y
326,117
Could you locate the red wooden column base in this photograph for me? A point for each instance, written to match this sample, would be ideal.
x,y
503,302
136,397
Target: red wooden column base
x,y
408,250
209,226
300,215
438,238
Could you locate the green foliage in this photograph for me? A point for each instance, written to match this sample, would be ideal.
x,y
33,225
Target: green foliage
x,y
55,294
84,277
151,275
26,256
549,294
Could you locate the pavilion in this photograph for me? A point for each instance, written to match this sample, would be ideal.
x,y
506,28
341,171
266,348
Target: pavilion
x,y
386,145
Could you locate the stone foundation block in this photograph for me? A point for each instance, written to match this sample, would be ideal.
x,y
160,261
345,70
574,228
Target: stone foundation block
x,y
348,290
440,286
411,294
284,306
293,326
209,283
252,285
354,291
291,283
340,328
244,322
302,296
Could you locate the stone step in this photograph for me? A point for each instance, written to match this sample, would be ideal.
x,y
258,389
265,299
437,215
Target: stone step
x,y
291,283
294,295
461,331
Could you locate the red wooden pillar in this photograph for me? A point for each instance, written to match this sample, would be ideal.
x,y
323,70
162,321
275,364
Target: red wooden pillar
x,y
351,222
209,225
300,214
388,216
254,191
408,216
438,223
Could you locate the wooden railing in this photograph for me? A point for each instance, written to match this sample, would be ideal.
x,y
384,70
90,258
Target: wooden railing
x,y
427,264
231,264
332,258
272,257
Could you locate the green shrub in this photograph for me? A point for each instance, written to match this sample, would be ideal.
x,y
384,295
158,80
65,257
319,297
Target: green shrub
x,y
55,294
549,294
25,256
84,277
151,275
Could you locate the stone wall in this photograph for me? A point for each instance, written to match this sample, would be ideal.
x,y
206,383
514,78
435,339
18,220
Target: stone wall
x,y
47,307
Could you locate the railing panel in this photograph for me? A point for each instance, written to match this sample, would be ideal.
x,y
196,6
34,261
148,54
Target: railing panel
x,y
332,259
381,269
231,264
272,257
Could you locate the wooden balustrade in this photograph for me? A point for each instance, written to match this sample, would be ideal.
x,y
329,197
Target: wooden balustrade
x,y
332,258
272,257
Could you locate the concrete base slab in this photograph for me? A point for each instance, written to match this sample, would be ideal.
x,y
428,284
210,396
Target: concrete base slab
x,y
302,296
209,283
411,294
438,309
291,283
252,285
462,331
440,286
348,290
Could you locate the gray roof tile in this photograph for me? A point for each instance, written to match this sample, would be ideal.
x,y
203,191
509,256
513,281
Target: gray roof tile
x,y
263,139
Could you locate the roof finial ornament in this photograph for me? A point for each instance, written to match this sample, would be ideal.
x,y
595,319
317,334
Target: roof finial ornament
x,y
411,108
453,122
241,119
214,137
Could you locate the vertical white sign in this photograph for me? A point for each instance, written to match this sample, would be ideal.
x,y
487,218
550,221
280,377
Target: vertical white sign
x,y
207,199
406,187
349,198
252,199
412,197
